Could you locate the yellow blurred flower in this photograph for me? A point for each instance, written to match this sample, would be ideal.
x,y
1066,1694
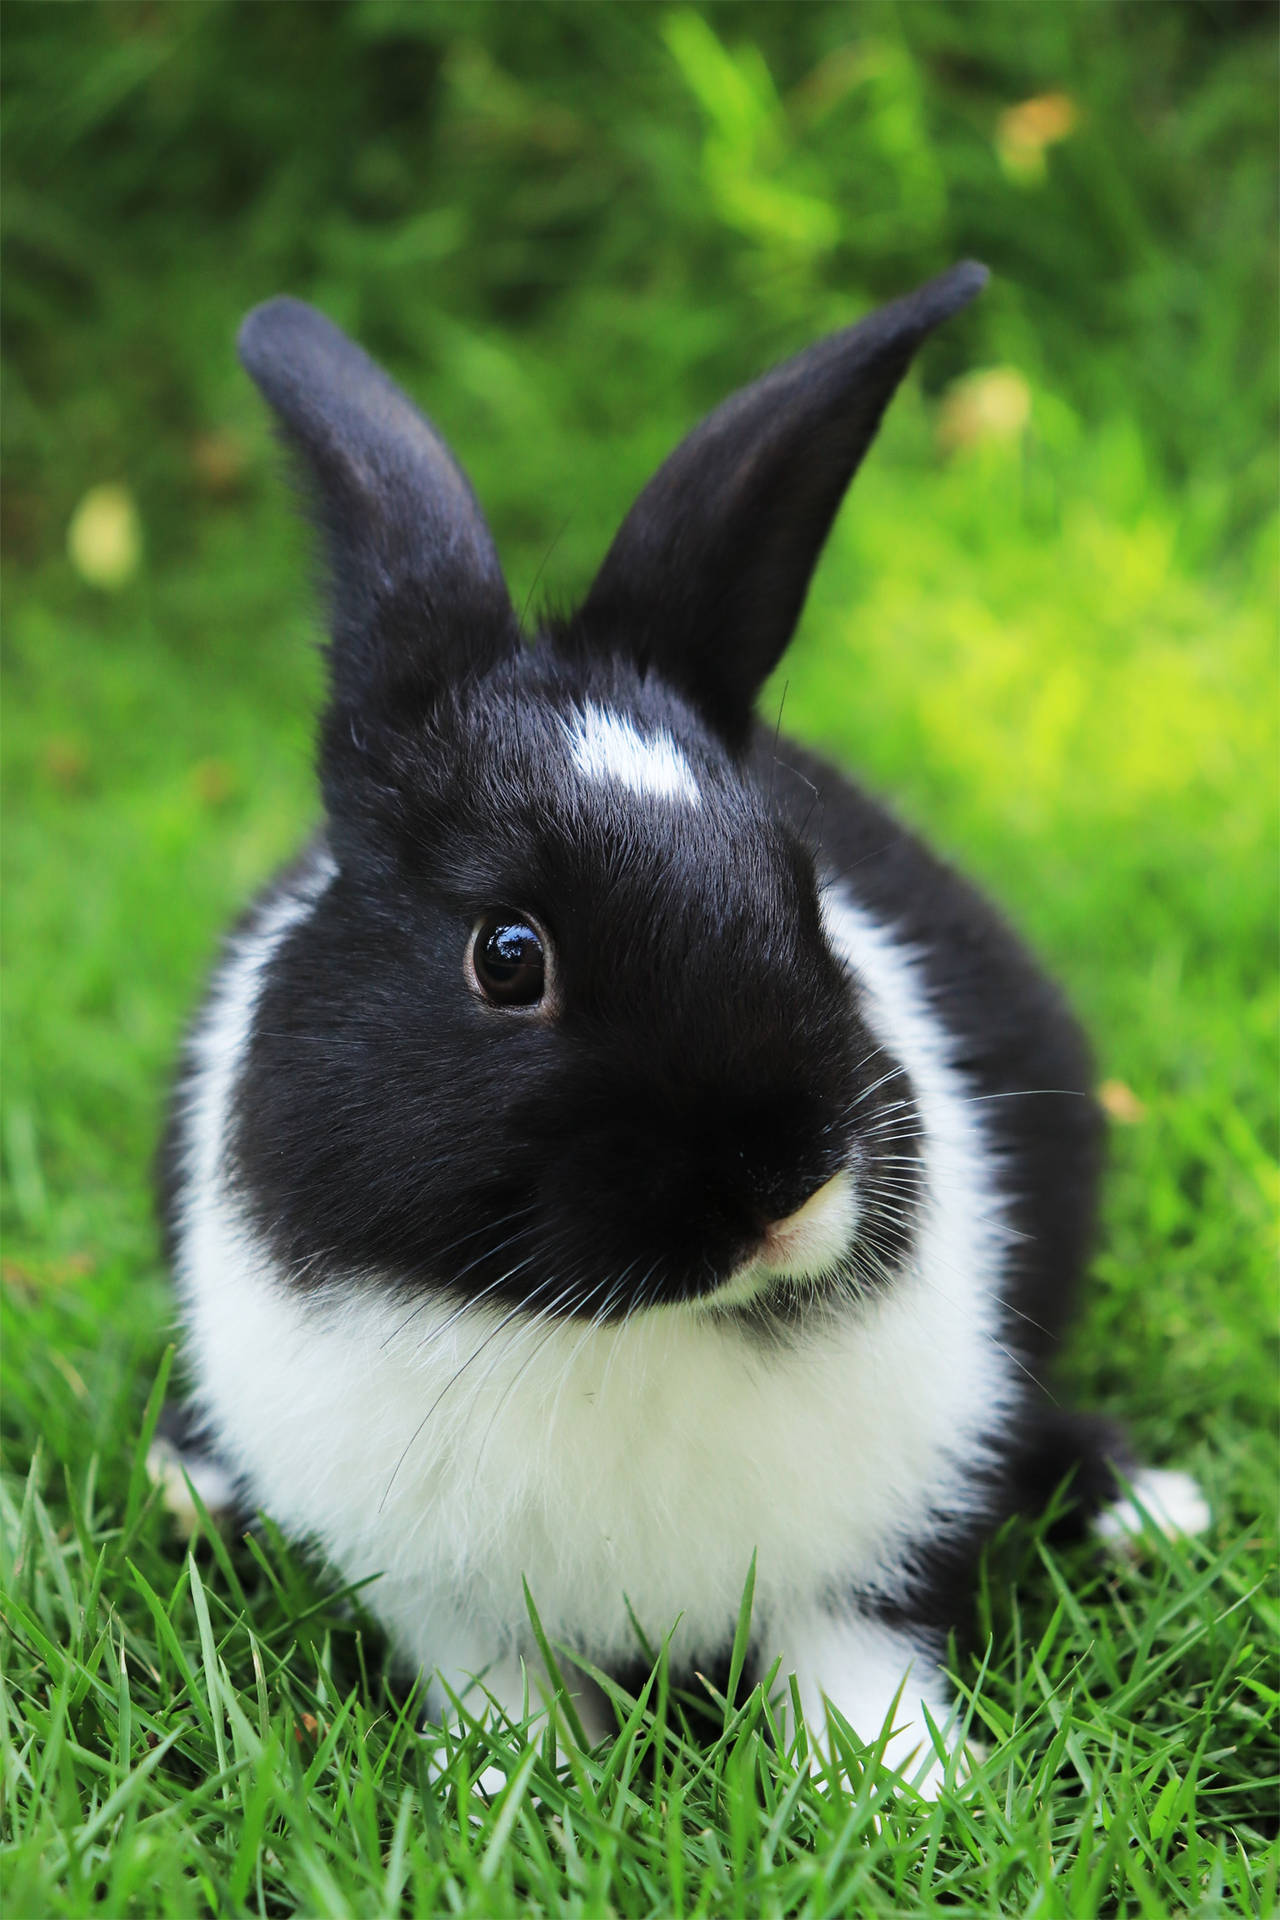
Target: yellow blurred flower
x,y
104,538
992,405
1024,132
1121,1102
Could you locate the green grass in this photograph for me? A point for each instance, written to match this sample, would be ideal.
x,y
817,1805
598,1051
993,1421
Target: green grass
x,y
1055,652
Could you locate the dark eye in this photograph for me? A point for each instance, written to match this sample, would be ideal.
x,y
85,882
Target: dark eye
x,y
508,959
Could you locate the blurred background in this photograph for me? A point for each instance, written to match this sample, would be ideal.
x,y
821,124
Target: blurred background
x,y
1044,627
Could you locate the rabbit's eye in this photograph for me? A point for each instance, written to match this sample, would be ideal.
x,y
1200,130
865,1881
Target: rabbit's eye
x,y
507,959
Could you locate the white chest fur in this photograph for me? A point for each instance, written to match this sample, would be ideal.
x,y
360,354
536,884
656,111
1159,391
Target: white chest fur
x,y
453,1453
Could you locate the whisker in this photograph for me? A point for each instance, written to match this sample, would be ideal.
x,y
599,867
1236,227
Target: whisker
x,y
959,1307
488,1254
449,1383
545,1314
592,1328
889,1187
884,1079
436,1334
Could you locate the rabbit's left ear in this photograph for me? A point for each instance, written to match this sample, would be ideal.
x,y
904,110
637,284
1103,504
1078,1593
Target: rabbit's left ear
x,y
416,593
707,575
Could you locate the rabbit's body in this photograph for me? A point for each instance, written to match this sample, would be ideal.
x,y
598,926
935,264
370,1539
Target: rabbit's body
x,y
745,1232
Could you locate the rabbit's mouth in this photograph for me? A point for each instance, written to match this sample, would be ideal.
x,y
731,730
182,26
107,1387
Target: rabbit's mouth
x,y
810,1245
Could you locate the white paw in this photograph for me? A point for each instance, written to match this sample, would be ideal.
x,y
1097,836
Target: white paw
x,y
1172,1502
912,1752
176,1473
885,1687
489,1781
909,1751
509,1696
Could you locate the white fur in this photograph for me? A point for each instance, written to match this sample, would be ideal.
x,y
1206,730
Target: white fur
x,y
212,1240
452,1454
605,746
1171,1502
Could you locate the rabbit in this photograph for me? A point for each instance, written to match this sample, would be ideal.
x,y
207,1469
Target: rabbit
x,y
617,1153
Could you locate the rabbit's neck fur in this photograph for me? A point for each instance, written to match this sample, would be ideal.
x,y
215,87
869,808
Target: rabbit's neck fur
x,y
639,1463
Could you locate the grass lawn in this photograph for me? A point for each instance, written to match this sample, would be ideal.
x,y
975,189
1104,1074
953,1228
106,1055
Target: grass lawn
x,y
1044,628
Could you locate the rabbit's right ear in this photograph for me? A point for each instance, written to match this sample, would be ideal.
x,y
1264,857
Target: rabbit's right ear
x,y
707,574
417,597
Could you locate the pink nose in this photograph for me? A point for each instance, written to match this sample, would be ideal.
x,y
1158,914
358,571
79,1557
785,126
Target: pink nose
x,y
820,1228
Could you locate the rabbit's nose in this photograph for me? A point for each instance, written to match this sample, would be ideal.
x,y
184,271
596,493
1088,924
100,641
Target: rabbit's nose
x,y
818,1233
776,1195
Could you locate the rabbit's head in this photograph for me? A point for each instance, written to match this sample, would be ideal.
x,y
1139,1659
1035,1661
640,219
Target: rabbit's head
x,y
563,1030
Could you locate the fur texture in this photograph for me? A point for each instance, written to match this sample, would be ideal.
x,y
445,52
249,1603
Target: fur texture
x,y
754,1235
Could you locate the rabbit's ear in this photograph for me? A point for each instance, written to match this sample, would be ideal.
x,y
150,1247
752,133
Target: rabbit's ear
x,y
416,592
707,575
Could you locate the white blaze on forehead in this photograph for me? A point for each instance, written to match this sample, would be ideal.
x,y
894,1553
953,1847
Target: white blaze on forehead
x,y
605,746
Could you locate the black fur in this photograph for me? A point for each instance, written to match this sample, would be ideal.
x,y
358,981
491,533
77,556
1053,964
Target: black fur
x,y
709,570
702,1066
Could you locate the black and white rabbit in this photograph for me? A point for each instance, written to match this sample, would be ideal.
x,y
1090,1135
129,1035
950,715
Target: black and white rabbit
x,y
617,1147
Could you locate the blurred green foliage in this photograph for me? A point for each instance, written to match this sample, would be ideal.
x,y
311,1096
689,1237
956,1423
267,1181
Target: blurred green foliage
x,y
568,219
1045,627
